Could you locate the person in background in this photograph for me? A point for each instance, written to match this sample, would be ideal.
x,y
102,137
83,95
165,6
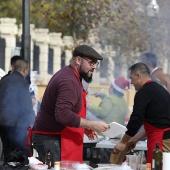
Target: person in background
x,y
2,73
35,102
12,63
61,120
13,60
157,73
16,112
114,106
151,108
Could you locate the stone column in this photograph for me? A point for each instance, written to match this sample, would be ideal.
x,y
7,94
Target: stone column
x,y
110,70
42,40
124,70
168,68
110,53
8,31
56,44
96,75
68,44
34,87
32,27
165,65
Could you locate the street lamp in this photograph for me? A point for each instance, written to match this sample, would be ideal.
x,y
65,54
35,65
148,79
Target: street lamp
x,y
152,12
153,9
25,49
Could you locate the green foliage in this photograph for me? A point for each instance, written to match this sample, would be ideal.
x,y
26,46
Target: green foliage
x,y
11,9
71,17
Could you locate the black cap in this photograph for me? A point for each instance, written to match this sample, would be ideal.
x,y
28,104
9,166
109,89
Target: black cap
x,y
86,51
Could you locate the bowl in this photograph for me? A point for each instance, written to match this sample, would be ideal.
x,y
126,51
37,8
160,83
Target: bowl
x,y
68,165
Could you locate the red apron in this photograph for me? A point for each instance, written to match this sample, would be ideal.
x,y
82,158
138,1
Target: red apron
x,y
71,138
154,135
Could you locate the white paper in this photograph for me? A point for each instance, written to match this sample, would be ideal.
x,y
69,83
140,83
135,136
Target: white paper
x,y
115,130
82,166
33,160
35,164
166,161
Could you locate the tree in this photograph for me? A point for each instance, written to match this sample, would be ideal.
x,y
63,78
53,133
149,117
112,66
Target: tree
x,y
71,17
128,31
11,9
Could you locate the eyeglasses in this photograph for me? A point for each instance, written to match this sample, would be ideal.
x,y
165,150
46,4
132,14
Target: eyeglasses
x,y
91,63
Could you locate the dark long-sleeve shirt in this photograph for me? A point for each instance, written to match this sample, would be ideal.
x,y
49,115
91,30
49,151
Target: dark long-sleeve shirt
x,y
151,104
61,102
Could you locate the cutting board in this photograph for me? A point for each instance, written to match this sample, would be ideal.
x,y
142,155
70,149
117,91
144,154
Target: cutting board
x,y
115,130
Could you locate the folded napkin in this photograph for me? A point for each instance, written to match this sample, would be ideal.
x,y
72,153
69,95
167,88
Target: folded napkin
x,y
33,160
36,164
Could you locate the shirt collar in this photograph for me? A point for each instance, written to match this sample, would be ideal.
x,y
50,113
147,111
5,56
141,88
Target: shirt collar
x,y
153,70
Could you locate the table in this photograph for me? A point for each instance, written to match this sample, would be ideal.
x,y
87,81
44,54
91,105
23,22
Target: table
x,y
141,145
91,143
86,140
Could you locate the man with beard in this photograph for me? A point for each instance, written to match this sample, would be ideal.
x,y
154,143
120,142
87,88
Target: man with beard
x,y
60,124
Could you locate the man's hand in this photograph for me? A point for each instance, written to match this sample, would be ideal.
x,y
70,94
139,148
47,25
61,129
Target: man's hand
x,y
100,95
133,141
97,126
132,144
97,94
119,147
122,144
92,135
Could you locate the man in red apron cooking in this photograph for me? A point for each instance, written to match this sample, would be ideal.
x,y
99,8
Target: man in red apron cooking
x,y
151,108
60,124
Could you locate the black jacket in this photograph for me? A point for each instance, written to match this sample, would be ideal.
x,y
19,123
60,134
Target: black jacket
x,y
15,101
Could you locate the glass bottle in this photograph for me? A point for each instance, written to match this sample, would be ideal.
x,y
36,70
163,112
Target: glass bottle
x,y
48,159
157,158
56,165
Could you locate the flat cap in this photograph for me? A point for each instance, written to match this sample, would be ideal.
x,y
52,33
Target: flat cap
x,y
86,51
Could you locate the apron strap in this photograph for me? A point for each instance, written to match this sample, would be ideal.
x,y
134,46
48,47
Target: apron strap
x,y
29,137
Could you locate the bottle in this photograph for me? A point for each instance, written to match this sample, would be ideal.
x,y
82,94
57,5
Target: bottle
x,y
48,159
56,165
157,158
